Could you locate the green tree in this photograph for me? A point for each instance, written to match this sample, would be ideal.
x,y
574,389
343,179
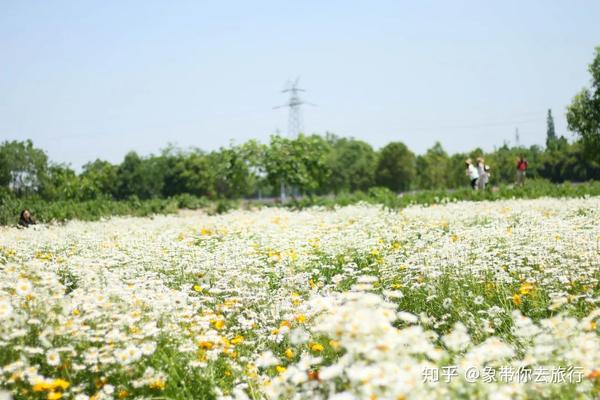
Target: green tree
x,y
99,178
143,178
62,183
297,163
564,161
395,167
503,162
550,132
352,164
193,175
456,170
254,154
583,115
231,174
432,168
23,168
171,158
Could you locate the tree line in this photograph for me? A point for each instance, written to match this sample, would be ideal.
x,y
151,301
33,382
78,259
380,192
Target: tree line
x,y
308,164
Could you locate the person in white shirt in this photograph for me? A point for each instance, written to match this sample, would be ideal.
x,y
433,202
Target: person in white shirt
x,y
472,173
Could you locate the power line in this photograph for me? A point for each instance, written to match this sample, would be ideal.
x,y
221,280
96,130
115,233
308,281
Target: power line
x,y
475,126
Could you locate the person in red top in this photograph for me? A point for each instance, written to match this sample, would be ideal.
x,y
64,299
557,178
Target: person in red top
x,y
521,170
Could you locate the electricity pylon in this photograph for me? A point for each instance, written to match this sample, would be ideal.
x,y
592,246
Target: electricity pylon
x,y
294,103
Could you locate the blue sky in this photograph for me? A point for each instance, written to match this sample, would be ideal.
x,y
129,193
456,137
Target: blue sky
x,y
95,79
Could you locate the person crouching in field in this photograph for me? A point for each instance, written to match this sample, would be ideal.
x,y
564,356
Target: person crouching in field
x,y
521,170
472,173
25,219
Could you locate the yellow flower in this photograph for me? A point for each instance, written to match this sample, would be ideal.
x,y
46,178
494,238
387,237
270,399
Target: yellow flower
x,y
526,288
289,353
198,288
317,347
237,340
206,345
122,394
158,384
516,299
285,323
229,303
50,386
61,383
54,395
219,324
251,370
293,255
41,386
280,369
301,318
274,254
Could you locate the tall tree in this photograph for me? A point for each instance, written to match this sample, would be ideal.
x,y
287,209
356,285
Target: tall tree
x,y
297,163
583,115
253,154
231,174
432,168
142,177
23,168
550,132
352,163
193,175
99,178
62,183
395,167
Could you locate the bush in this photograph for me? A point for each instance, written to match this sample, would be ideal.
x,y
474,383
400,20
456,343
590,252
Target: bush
x,y
534,188
190,202
91,210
